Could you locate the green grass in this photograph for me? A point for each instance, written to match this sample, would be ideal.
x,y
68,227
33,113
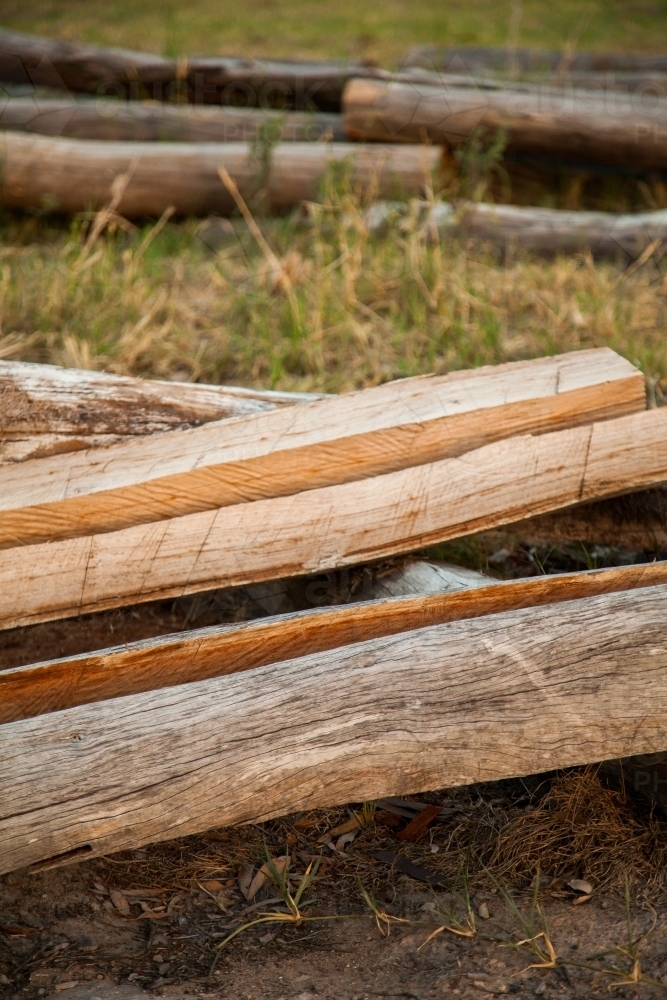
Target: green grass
x,y
378,29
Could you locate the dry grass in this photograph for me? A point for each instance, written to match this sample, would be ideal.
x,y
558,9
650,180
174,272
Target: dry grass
x,y
199,301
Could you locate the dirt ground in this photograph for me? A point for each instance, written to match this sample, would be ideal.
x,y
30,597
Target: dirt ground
x,y
153,921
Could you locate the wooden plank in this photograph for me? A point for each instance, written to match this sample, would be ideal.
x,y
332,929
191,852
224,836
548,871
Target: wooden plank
x,y
574,125
334,526
47,62
402,423
140,121
495,697
182,658
49,410
73,175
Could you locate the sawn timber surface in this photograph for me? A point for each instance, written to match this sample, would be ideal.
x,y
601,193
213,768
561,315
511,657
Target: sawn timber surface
x,y
334,526
402,423
499,696
199,655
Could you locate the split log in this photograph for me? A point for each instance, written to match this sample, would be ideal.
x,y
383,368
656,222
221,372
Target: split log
x,y
73,175
139,121
45,62
472,58
46,410
334,526
404,423
568,125
496,697
183,658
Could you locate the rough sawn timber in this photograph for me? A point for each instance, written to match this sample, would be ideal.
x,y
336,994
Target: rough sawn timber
x,y
140,121
48,410
335,526
402,423
568,125
495,697
167,661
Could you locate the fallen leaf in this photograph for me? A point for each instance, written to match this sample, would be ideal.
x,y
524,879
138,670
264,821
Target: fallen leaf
x,y
66,986
212,885
581,899
386,818
408,868
347,827
483,911
263,875
580,885
417,827
245,880
346,838
120,902
17,930
305,823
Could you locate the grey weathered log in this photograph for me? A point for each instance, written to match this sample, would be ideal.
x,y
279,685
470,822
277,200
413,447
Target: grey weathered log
x,y
148,121
46,410
73,175
473,58
500,696
31,59
571,125
545,230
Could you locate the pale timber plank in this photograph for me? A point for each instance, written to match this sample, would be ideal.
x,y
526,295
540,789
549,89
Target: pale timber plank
x,y
499,696
201,654
402,423
46,410
334,526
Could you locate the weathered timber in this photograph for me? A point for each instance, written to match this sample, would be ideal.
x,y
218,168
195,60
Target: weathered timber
x,y
202,654
46,410
552,231
45,62
72,175
499,696
568,125
472,58
334,526
407,422
143,121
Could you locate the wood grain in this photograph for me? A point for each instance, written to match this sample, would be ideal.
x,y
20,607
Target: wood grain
x,y
403,423
504,695
74,175
217,651
334,526
142,121
574,125
50,410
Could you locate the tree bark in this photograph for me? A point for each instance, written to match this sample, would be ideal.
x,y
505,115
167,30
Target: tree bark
x,y
336,526
70,175
571,125
472,58
496,697
398,425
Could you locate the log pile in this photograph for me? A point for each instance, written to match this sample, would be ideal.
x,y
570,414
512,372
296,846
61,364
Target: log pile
x,y
456,677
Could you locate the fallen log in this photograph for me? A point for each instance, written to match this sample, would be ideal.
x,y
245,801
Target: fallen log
x,y
105,72
73,175
504,695
334,526
545,230
182,658
472,58
568,125
138,121
404,423
46,410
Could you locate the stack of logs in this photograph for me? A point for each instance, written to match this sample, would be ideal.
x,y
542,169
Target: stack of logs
x,y
168,126
116,492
